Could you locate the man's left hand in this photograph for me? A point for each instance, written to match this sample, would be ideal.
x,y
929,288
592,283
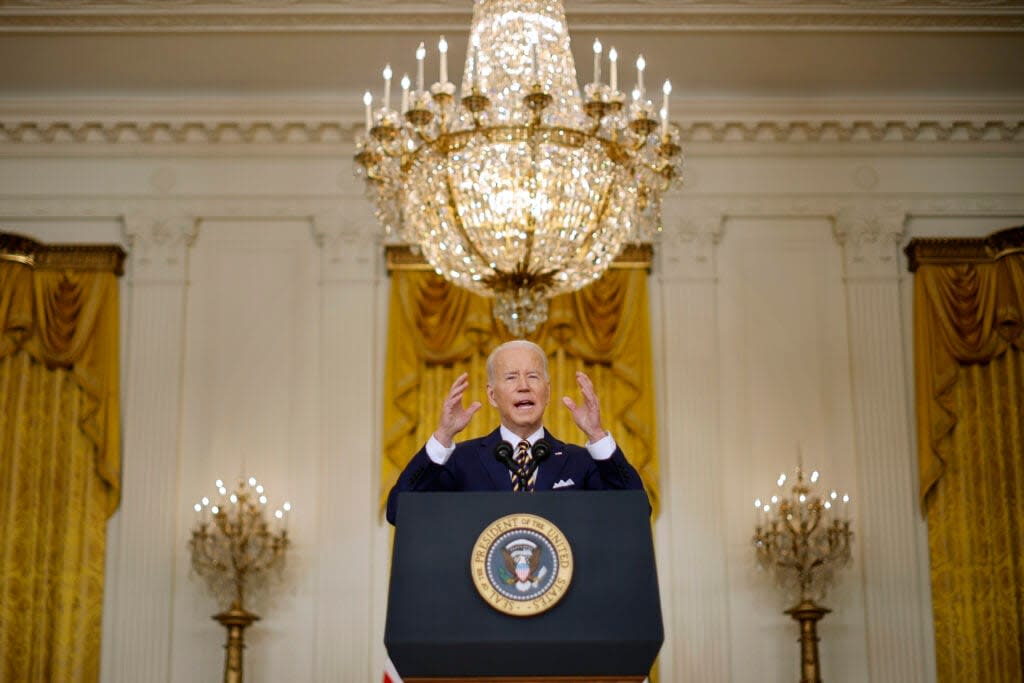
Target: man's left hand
x,y
588,415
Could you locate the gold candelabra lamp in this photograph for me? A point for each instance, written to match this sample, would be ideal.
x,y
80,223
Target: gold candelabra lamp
x,y
802,538
234,549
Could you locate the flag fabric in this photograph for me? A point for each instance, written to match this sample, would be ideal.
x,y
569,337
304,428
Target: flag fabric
x,y
390,673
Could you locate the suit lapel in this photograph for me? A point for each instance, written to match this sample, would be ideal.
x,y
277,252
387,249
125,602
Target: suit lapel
x,y
498,473
549,470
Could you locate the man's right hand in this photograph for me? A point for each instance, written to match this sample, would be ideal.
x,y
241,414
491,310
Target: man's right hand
x,y
454,417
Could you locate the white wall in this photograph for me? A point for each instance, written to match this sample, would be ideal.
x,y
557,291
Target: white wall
x,y
255,323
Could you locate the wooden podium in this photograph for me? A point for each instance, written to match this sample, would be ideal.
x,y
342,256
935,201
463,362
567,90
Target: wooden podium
x,y
606,628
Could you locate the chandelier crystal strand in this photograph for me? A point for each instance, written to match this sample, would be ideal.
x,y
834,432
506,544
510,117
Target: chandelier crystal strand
x,y
523,189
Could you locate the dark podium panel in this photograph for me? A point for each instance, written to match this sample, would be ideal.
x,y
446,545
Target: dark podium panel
x,y
608,624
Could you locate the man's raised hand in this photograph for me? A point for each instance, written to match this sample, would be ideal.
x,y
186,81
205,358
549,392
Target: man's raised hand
x,y
454,417
588,415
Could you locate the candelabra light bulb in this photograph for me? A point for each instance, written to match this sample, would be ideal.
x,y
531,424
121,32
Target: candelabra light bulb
x,y
367,98
287,506
252,481
215,510
846,498
198,507
206,501
223,491
234,499
259,488
757,502
833,495
278,514
767,508
814,476
775,499
803,498
219,483
828,505
263,500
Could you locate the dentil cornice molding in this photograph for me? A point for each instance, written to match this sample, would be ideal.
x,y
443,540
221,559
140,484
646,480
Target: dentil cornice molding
x,y
199,133
339,15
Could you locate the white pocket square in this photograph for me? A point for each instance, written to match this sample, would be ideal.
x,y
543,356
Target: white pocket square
x,y
561,484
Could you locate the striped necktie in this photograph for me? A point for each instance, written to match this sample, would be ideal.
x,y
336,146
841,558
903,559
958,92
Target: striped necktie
x,y
520,481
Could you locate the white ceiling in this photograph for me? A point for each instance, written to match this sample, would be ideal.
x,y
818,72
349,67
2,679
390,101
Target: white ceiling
x,y
796,50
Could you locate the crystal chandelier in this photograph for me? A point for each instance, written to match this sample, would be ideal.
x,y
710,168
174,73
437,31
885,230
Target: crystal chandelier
x,y
521,190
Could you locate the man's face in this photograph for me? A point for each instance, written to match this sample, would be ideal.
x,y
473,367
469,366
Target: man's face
x,y
519,390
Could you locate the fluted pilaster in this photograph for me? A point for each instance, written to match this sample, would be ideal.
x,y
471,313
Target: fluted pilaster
x,y
349,267
696,617
895,598
140,620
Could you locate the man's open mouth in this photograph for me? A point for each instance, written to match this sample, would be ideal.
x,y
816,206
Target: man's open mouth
x,y
523,404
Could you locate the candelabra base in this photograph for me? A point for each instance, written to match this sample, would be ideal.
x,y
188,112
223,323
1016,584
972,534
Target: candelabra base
x,y
235,620
808,614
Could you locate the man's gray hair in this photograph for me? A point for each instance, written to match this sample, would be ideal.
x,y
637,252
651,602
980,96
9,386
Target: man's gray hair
x,y
516,343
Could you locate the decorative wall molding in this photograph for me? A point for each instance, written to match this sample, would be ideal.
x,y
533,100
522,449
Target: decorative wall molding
x,y
139,211
350,250
687,247
159,245
871,238
334,15
197,132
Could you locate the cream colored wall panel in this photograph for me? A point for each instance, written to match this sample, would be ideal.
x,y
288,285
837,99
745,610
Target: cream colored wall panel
x,y
785,385
215,173
797,175
250,407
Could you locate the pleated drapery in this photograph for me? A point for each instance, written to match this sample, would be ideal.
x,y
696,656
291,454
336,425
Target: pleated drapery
x,y
438,331
59,454
969,368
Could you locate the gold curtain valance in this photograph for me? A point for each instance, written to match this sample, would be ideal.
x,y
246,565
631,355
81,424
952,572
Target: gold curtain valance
x,y
59,303
968,309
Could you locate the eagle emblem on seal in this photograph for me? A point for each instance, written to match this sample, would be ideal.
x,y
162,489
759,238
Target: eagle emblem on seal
x,y
522,565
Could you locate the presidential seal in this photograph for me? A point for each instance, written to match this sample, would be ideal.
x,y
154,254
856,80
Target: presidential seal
x,y
521,565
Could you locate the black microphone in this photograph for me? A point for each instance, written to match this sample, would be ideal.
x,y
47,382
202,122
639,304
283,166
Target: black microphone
x,y
503,454
540,451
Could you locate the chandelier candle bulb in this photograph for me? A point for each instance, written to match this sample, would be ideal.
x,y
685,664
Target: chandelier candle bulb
x,y
641,64
442,47
613,76
405,92
387,87
421,52
368,101
597,61
665,89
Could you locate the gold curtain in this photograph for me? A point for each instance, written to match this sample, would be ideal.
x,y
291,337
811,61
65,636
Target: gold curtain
x,y
59,455
969,364
438,331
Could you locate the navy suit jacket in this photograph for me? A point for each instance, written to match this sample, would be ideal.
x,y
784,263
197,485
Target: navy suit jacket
x,y
473,467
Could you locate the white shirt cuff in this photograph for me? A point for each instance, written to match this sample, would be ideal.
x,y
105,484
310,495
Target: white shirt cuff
x,y
601,449
440,453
